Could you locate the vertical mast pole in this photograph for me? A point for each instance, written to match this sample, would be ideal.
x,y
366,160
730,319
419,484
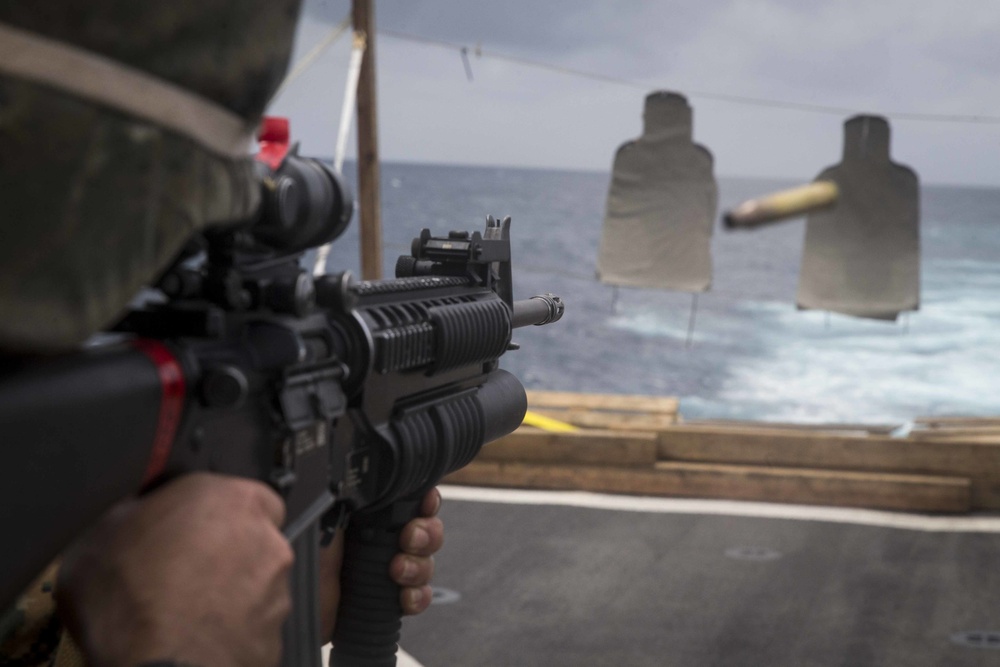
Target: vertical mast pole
x,y
363,17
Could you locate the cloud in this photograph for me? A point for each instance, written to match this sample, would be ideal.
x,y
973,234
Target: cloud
x,y
561,28
893,55
832,53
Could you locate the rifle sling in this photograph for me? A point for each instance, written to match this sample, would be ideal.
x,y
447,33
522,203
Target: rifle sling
x,y
33,57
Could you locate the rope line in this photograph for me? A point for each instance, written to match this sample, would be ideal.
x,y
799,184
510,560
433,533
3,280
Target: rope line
x,y
979,119
309,59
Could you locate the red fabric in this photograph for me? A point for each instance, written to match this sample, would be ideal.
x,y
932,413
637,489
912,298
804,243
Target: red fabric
x,y
273,138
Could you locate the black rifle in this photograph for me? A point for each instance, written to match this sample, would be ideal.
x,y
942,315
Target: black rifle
x,y
351,399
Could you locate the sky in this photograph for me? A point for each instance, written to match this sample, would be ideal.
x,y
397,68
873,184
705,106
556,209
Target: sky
x,y
909,56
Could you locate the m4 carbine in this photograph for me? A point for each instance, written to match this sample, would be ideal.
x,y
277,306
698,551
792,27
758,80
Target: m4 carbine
x,y
350,398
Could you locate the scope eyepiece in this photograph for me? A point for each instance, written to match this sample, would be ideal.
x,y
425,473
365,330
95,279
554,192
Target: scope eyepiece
x,y
305,204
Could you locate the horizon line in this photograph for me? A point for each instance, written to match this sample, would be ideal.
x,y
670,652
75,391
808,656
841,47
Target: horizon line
x,y
580,170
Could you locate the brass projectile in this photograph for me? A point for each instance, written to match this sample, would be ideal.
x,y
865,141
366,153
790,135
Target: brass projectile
x,y
782,205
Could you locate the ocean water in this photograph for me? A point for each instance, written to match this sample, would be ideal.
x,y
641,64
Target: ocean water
x,y
753,355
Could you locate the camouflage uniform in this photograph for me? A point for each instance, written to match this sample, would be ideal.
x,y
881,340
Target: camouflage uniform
x,y
95,203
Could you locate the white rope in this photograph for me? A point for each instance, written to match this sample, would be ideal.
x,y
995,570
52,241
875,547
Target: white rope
x,y
350,95
346,116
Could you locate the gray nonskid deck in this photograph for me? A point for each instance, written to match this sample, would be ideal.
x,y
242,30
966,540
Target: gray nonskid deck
x,y
551,585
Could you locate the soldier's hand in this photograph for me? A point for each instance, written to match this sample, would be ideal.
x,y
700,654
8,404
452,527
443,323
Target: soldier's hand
x,y
412,568
195,572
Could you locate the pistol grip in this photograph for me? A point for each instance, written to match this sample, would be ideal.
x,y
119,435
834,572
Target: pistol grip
x,y
370,614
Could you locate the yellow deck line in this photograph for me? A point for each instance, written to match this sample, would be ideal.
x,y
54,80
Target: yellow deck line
x,y
547,423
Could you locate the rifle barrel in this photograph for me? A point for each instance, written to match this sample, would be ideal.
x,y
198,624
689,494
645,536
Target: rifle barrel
x,y
538,310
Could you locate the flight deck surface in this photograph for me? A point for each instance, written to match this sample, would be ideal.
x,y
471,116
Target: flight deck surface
x,y
549,578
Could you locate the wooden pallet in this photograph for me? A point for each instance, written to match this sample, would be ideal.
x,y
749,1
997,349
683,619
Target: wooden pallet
x,y
764,462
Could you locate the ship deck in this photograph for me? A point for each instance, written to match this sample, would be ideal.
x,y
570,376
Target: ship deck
x,y
724,544
569,578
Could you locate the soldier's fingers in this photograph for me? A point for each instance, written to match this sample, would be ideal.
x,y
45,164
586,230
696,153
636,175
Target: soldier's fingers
x,y
422,537
411,570
431,503
415,600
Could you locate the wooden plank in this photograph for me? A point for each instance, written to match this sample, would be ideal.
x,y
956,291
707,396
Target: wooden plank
x,y
587,447
766,429
825,450
611,421
977,433
931,493
918,493
979,461
617,402
863,429
964,439
947,422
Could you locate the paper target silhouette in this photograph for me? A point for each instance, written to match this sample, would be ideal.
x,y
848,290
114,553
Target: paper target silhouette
x,y
661,205
862,257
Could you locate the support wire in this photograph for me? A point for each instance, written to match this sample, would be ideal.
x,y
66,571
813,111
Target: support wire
x,y
310,58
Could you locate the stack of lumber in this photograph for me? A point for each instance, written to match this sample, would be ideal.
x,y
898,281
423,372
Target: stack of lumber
x,y
637,445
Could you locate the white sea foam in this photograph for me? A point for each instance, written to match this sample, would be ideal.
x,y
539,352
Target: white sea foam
x,y
944,361
655,324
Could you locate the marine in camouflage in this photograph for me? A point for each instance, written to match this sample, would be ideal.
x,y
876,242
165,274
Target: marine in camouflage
x,y
96,203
